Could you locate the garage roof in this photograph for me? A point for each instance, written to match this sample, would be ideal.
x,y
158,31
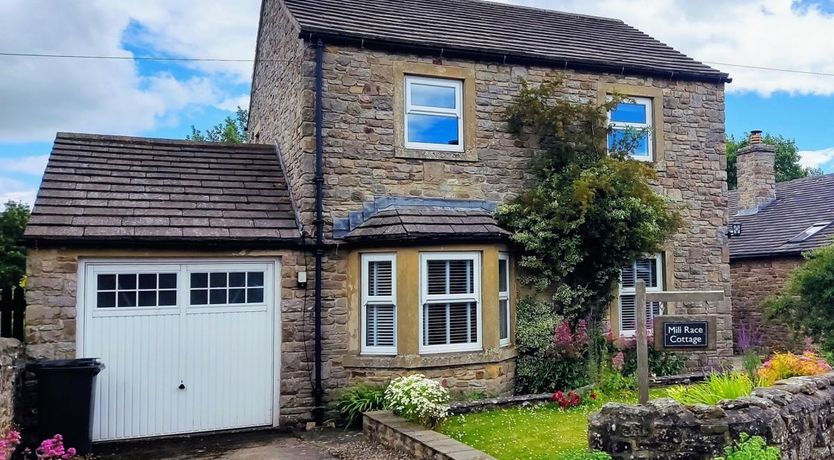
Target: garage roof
x,y
501,31
113,188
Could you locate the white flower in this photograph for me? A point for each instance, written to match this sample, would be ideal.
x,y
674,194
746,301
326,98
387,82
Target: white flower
x,y
418,399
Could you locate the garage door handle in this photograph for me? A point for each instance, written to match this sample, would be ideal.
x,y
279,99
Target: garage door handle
x,y
182,386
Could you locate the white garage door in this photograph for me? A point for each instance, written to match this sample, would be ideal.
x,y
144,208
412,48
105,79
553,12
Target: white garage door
x,y
188,346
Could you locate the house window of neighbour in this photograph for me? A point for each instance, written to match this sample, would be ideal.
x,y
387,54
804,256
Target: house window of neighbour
x,y
649,270
504,299
120,290
631,128
379,305
450,317
433,114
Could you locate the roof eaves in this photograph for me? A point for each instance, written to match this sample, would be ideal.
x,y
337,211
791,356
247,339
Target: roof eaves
x,y
387,44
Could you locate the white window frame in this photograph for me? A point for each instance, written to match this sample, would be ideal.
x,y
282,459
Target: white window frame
x,y
647,126
504,296
658,260
368,299
425,298
413,109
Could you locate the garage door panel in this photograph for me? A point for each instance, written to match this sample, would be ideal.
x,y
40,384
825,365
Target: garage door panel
x,y
136,390
221,353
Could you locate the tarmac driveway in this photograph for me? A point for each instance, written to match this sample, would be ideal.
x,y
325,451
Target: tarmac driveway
x,y
329,444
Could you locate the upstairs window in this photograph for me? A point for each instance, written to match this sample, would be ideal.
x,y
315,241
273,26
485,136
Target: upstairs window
x,y
631,128
649,270
433,114
379,304
451,297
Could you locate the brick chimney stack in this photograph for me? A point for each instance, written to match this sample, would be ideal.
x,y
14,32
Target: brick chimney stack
x,y
756,175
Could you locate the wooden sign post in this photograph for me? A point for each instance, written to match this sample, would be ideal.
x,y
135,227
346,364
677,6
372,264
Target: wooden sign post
x,y
692,332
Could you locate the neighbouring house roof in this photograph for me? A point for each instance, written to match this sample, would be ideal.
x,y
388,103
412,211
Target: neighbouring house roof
x,y
799,204
422,223
502,31
127,189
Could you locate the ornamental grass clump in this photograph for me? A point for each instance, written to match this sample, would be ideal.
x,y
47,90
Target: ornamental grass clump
x,y
787,365
718,387
352,402
418,399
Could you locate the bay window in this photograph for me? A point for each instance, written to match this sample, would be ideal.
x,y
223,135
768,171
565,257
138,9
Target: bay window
x,y
450,317
379,304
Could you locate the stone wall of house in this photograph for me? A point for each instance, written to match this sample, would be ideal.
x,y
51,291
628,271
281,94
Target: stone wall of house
x,y
12,362
361,163
51,315
486,378
754,280
282,102
794,414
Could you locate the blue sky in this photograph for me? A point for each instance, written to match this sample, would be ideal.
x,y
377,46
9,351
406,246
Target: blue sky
x,y
40,96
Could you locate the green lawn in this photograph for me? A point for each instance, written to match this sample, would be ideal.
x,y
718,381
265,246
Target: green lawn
x,y
532,433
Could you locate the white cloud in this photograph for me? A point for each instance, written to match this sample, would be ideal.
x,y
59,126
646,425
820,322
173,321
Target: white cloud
x,y
232,103
765,33
13,190
32,165
40,96
816,158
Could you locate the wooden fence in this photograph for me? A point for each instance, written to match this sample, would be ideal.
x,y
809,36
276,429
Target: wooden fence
x,y
12,308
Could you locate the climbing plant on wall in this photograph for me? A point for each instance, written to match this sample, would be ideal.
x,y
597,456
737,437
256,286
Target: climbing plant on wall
x,y
590,211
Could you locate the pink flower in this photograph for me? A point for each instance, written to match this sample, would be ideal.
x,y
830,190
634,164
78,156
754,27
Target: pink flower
x,y
618,361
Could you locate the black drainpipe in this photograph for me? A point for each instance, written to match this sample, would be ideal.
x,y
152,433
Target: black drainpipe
x,y
318,391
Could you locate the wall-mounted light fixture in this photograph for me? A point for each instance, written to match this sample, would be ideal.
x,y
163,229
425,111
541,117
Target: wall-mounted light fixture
x,y
734,229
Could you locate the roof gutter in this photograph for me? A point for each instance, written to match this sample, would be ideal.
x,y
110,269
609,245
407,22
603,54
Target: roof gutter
x,y
504,58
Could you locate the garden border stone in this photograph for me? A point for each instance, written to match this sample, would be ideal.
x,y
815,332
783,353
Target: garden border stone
x,y
399,434
796,415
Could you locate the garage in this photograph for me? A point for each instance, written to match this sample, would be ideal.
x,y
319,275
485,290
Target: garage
x,y
189,345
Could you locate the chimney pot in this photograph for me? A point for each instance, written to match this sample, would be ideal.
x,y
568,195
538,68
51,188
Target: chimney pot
x,y
756,136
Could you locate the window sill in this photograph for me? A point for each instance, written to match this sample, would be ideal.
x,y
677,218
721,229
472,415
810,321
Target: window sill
x,y
430,360
469,154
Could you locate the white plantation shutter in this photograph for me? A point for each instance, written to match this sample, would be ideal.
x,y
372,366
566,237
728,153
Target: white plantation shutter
x,y
450,316
504,299
649,270
379,310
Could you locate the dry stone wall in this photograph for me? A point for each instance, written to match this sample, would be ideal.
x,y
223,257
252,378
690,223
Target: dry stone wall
x,y
12,362
754,280
795,414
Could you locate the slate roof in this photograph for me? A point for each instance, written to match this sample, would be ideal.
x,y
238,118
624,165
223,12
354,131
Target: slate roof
x,y
799,204
113,188
412,223
480,27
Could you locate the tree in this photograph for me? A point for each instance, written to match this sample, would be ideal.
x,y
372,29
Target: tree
x,y
12,252
231,130
807,301
787,159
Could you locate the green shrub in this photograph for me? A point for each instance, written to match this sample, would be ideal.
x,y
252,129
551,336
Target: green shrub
x,y
361,398
805,302
751,361
717,387
544,374
661,362
611,382
750,448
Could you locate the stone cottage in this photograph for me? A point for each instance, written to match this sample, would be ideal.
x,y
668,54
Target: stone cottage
x,y
779,222
379,153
